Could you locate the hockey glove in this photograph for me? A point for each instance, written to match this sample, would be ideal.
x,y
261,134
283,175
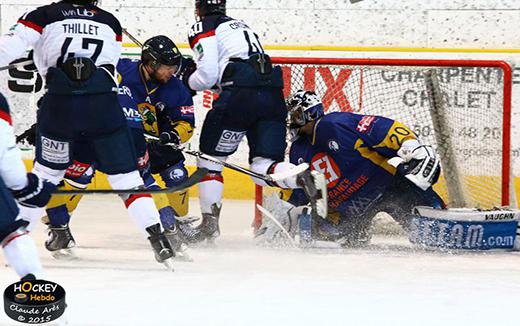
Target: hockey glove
x,y
170,137
186,69
37,193
418,163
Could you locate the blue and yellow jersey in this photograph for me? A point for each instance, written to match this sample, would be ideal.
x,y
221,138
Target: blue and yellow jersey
x,y
352,151
162,107
129,106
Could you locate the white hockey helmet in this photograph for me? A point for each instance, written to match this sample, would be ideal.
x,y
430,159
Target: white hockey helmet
x,y
304,107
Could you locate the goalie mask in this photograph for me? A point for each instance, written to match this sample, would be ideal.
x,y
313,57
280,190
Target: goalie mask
x,y
303,107
209,7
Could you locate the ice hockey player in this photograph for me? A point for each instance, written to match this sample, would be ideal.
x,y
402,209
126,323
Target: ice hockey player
x,y
230,58
25,188
354,153
166,107
76,48
144,84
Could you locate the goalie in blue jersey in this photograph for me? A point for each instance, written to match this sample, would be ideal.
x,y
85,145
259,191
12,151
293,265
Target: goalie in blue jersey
x,y
372,164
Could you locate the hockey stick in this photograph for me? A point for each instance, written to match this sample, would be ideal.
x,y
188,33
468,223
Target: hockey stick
x,y
16,65
268,214
191,181
132,38
269,178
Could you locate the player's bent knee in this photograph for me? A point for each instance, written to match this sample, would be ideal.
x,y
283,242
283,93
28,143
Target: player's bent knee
x,y
262,165
46,173
12,231
465,229
212,166
131,180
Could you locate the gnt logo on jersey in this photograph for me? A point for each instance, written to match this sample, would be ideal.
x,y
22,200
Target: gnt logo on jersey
x,y
229,141
34,302
54,151
325,164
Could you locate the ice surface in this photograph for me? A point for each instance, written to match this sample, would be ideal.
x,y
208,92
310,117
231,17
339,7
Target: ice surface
x,y
118,282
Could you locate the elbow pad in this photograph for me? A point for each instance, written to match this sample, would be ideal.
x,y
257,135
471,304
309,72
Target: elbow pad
x,y
184,130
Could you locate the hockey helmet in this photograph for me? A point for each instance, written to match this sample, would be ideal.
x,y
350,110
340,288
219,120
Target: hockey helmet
x,y
161,50
210,7
304,107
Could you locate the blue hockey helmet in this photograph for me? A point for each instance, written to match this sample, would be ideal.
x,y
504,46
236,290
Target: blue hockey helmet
x,y
304,107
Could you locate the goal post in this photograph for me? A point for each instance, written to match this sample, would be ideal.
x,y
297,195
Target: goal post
x,y
461,107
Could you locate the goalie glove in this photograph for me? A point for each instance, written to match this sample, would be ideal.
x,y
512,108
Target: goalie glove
x,y
418,163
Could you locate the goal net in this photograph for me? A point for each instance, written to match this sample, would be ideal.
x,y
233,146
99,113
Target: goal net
x,y
462,108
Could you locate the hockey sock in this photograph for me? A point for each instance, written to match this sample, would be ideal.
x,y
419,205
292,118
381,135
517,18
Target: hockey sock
x,y
58,215
210,191
167,216
20,253
143,211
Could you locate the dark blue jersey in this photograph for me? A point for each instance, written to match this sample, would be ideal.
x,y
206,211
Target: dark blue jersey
x,y
162,106
130,108
352,151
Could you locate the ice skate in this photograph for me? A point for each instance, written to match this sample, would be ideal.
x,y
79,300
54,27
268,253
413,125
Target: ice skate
x,y
314,185
61,243
209,227
161,246
178,244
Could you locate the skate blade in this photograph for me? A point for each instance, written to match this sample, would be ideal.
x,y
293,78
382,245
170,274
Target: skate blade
x,y
65,254
182,256
168,263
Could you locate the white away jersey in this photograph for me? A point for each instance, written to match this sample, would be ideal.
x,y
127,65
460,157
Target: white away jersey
x,y
60,31
12,169
216,39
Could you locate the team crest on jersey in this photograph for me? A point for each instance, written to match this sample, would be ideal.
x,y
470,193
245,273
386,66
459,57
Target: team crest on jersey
x,y
200,50
325,164
333,145
177,174
149,114
365,124
187,109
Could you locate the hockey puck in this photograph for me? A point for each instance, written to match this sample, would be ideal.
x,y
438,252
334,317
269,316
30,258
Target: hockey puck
x,y
34,301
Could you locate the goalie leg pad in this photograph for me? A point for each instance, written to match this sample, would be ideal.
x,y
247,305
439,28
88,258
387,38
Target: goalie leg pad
x,y
464,229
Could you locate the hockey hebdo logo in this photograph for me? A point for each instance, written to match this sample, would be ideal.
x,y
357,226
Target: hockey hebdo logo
x,y
34,302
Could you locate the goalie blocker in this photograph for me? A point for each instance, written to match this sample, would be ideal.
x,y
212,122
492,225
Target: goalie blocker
x,y
463,228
